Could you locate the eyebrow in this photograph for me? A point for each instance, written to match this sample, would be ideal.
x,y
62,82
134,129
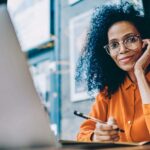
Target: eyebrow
x,y
126,35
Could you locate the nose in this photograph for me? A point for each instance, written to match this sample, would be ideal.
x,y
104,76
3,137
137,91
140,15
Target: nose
x,y
123,49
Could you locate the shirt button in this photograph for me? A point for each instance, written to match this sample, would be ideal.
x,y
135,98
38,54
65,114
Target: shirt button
x,y
134,86
129,122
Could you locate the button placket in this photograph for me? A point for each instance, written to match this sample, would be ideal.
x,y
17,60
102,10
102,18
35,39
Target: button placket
x,y
130,121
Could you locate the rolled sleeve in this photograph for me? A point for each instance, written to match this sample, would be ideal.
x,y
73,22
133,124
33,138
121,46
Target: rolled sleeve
x,y
146,112
99,111
146,109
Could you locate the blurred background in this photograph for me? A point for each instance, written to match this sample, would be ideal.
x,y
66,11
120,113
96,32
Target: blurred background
x,y
52,33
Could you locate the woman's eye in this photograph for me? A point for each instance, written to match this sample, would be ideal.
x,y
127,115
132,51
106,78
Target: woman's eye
x,y
131,40
114,45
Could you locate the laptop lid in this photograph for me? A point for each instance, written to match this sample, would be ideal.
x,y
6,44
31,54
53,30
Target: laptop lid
x,y
23,121
3,1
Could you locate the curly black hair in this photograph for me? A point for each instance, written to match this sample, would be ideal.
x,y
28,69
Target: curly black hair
x,y
95,65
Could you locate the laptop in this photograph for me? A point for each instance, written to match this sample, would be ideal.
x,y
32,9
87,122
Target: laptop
x,y
23,120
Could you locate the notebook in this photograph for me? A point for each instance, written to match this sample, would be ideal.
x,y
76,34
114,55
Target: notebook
x,y
100,145
23,120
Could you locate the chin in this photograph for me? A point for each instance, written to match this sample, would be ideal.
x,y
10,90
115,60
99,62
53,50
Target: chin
x,y
127,68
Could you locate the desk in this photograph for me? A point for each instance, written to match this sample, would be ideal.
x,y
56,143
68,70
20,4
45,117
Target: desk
x,y
143,147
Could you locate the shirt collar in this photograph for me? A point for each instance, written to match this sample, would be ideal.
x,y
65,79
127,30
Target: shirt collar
x,y
127,82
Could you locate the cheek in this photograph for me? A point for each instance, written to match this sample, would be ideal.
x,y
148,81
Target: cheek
x,y
114,58
138,53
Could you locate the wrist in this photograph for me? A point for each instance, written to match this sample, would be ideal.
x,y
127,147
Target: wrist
x,y
138,71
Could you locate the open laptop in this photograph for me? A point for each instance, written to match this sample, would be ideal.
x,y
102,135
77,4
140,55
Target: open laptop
x,y
23,120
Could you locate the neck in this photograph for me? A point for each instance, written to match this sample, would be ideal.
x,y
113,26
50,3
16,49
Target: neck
x,y
132,76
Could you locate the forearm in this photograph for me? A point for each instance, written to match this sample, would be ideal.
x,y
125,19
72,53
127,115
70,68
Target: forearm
x,y
145,95
146,113
99,111
143,85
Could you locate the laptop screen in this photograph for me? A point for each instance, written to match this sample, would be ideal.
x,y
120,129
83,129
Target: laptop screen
x,y
24,121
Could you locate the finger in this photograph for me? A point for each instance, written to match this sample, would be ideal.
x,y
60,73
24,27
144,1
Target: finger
x,y
104,127
112,121
144,60
105,132
105,138
145,56
102,132
116,139
146,41
113,132
114,126
144,44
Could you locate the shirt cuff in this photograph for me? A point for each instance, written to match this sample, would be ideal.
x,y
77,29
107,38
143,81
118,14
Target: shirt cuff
x,y
86,137
146,109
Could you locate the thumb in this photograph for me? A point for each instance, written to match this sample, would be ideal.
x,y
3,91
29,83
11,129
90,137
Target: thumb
x,y
112,121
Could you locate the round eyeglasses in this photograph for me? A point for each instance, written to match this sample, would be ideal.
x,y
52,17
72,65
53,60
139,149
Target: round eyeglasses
x,y
131,42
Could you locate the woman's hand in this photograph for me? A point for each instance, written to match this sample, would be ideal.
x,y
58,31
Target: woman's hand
x,y
140,69
143,62
106,132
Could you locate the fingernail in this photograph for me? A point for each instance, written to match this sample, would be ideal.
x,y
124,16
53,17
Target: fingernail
x,y
111,121
114,136
115,126
116,139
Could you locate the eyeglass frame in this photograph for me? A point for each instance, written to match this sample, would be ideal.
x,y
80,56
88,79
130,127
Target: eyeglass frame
x,y
106,47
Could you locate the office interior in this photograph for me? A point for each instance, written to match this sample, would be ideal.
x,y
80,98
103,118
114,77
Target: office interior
x,y
51,33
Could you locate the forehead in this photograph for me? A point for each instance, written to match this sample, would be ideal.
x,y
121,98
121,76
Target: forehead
x,y
120,29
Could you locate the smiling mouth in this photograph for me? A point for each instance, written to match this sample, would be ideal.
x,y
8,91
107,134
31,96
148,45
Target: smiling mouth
x,y
126,60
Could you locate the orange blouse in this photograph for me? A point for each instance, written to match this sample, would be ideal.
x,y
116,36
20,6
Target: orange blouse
x,y
126,107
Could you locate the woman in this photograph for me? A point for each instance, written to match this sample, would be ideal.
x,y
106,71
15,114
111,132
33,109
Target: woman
x,y
117,57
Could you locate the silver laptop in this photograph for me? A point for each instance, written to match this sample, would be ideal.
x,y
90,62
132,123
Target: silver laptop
x,y
23,121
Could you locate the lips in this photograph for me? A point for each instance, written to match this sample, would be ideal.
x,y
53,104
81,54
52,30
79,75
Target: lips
x,y
125,59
